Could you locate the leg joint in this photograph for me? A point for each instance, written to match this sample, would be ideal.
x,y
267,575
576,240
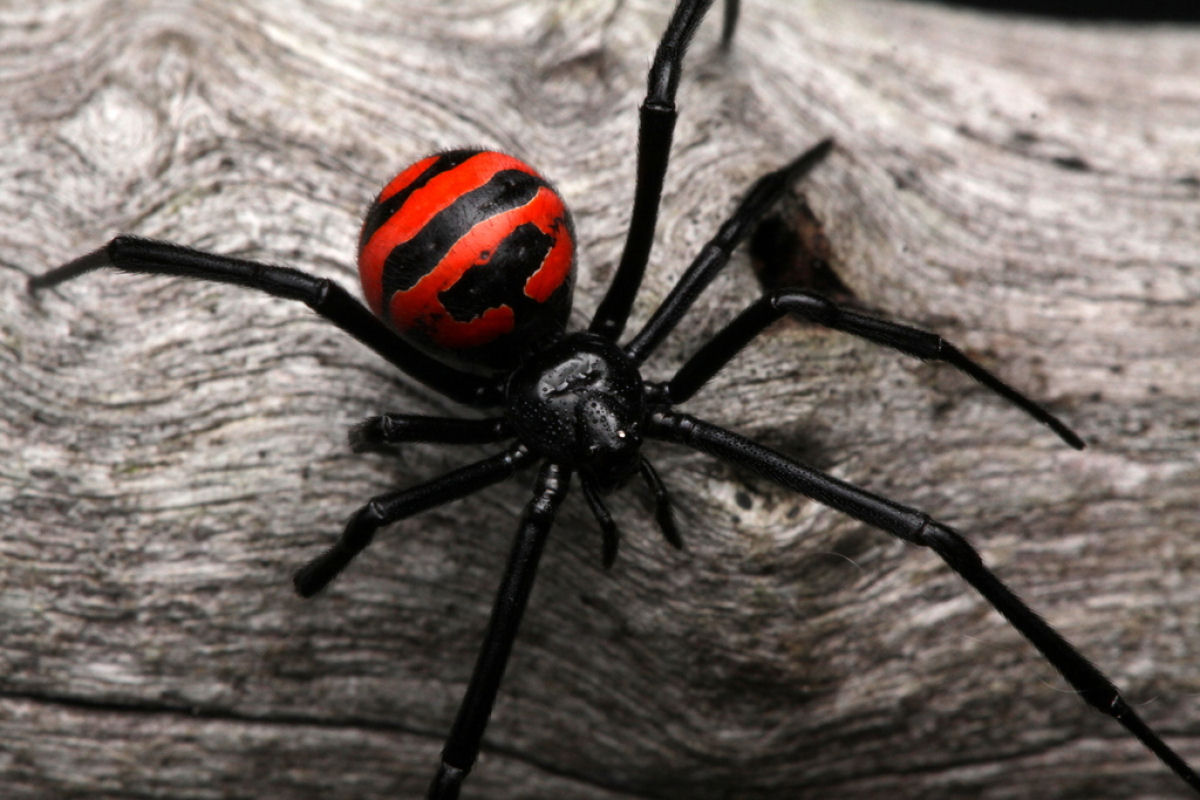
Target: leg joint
x,y
812,307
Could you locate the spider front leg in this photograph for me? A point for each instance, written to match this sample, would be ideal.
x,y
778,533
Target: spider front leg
x,y
462,746
919,528
394,506
656,126
715,255
133,254
814,308
758,199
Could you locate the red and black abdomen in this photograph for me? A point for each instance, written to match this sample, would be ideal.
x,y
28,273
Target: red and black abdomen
x,y
470,254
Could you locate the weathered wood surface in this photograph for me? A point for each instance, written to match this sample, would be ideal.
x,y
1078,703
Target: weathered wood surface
x,y
172,450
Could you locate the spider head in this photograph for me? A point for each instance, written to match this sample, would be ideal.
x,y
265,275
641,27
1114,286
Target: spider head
x,y
580,403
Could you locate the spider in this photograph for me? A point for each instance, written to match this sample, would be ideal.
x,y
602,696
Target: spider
x,y
467,261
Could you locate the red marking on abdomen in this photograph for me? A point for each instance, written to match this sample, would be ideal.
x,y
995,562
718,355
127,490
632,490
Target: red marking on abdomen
x,y
438,193
557,264
405,178
420,308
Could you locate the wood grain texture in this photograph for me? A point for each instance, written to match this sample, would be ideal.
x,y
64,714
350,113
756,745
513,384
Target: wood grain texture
x,y
173,450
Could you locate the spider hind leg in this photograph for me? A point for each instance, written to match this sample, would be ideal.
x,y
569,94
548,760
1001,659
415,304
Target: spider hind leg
x,y
331,301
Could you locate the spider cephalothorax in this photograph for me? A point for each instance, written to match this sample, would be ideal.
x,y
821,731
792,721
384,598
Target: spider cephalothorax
x,y
466,258
580,402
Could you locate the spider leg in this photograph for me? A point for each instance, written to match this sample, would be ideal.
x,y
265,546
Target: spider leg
x,y
393,506
662,505
462,746
713,257
331,301
376,433
814,308
656,126
610,537
918,528
729,23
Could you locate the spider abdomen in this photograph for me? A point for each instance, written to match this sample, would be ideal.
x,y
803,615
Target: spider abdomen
x,y
470,253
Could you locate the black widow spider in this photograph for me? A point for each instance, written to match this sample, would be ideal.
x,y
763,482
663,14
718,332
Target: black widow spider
x,y
497,244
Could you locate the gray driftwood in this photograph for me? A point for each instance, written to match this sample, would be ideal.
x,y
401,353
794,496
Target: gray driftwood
x,y
173,450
